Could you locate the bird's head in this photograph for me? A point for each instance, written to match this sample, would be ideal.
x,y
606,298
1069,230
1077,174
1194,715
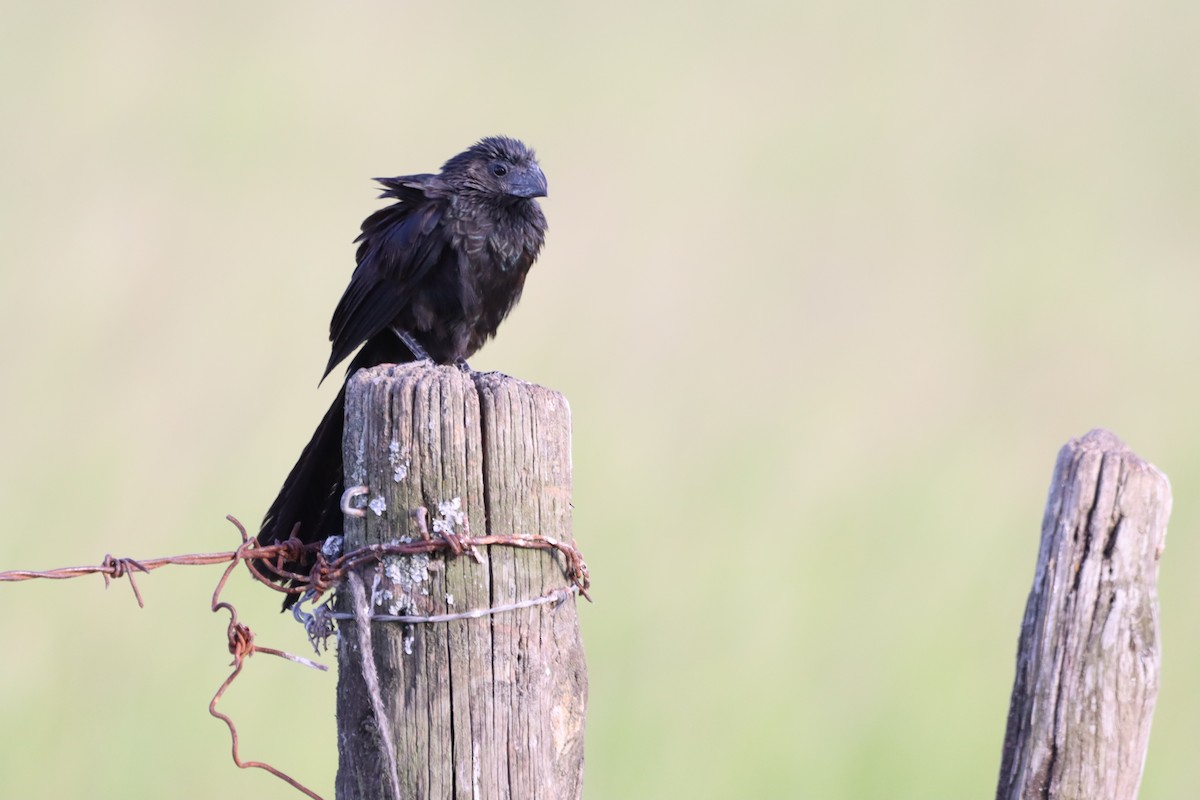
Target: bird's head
x,y
498,166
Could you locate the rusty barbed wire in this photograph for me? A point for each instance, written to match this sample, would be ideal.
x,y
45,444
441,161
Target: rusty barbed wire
x,y
242,646
324,575
240,636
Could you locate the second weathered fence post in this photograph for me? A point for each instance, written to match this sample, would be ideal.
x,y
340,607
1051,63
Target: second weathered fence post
x,y
1088,657
486,707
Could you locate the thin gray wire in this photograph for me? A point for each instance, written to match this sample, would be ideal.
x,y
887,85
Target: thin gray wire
x,y
358,595
557,597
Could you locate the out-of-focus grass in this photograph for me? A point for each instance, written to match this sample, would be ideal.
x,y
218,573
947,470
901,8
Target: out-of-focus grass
x,y
826,285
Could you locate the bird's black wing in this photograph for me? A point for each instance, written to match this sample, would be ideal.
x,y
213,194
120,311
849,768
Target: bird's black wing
x,y
399,246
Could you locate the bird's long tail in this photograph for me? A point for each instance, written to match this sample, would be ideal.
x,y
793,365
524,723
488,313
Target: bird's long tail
x,y
308,504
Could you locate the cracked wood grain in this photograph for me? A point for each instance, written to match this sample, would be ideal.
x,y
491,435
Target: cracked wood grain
x,y
1088,657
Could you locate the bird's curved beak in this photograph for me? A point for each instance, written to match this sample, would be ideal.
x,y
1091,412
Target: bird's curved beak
x,y
530,183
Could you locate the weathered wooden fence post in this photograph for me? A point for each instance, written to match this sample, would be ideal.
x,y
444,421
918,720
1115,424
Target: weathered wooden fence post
x,y
490,707
1088,658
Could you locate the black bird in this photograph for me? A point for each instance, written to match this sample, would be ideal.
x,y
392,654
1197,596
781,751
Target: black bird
x,y
438,270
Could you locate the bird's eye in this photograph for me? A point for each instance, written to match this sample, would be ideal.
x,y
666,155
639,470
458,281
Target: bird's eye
x,y
499,170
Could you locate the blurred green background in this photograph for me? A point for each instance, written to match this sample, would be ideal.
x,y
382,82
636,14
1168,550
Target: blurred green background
x,y
827,286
